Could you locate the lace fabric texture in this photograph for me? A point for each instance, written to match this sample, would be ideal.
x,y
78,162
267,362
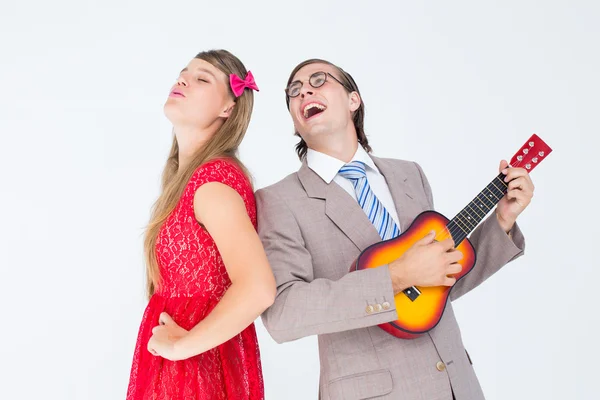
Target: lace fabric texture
x,y
194,279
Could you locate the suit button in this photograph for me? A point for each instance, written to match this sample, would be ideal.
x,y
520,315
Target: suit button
x,y
440,366
386,305
369,309
377,307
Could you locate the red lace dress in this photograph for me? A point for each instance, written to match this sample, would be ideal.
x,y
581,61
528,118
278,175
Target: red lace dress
x,y
194,280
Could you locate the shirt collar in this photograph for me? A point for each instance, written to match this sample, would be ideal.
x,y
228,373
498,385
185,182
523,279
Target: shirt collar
x,y
327,166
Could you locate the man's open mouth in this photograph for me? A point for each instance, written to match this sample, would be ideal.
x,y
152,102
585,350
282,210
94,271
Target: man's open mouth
x,y
312,109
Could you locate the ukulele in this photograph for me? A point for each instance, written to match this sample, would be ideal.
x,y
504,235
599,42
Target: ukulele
x,y
422,307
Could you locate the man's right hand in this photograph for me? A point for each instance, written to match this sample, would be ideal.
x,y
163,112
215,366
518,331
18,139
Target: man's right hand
x,y
426,263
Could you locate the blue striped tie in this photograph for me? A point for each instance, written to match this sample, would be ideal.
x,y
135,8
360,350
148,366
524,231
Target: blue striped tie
x,y
376,212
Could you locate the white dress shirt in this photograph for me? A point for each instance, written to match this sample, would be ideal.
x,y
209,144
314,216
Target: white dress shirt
x,y
327,168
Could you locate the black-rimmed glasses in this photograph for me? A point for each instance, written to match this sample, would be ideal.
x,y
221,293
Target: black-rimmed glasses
x,y
316,80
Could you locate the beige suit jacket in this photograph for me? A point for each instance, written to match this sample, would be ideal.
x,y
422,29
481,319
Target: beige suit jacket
x,y
312,232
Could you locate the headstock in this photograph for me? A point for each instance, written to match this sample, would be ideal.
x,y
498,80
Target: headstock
x,y
531,154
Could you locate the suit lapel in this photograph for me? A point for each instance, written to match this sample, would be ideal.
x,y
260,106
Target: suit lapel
x,y
340,208
396,180
345,212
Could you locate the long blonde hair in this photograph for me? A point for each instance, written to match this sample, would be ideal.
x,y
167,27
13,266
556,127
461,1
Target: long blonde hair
x,y
223,144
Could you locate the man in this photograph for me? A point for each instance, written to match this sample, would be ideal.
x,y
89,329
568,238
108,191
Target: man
x,y
313,228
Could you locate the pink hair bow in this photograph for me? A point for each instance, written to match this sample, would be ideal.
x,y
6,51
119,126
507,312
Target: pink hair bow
x,y
238,85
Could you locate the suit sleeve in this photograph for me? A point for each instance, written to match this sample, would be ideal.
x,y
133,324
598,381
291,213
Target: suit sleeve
x,y
307,306
493,248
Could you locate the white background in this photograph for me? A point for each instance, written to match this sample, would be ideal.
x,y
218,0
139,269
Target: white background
x,y
454,85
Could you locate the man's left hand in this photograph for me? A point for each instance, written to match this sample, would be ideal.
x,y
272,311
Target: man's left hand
x,y
517,198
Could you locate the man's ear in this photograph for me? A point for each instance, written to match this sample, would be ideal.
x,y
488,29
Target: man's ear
x,y
354,101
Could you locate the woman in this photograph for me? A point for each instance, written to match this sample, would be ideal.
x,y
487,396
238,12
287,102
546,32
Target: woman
x,y
208,276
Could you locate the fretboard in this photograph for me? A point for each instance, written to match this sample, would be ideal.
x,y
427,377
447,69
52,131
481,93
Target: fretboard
x,y
467,220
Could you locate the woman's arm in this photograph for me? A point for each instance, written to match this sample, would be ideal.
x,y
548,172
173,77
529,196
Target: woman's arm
x,y
222,212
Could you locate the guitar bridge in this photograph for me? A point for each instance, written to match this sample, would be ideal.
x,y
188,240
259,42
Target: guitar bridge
x,y
412,293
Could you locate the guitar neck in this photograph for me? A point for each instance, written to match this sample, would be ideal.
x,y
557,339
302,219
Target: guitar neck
x,y
469,217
